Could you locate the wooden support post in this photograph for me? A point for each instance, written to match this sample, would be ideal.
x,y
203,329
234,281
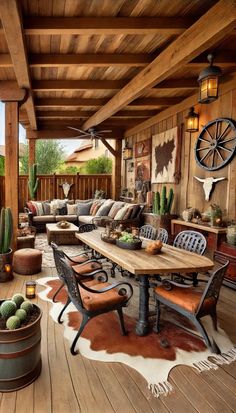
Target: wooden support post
x,y
12,163
32,151
116,170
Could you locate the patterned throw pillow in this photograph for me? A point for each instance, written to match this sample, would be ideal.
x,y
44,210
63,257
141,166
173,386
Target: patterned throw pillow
x,y
31,207
128,213
115,208
72,209
46,207
96,208
94,205
120,214
39,208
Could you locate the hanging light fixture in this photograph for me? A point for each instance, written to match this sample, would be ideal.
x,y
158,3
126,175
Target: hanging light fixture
x,y
192,121
127,152
209,82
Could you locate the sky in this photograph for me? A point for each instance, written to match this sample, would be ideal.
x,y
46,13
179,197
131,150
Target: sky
x,y
69,144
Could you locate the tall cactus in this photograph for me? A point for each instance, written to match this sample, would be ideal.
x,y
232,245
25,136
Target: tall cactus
x,y
161,204
33,180
6,230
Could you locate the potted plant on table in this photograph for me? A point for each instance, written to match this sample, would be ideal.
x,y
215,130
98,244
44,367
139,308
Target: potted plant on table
x,y
6,253
20,337
162,205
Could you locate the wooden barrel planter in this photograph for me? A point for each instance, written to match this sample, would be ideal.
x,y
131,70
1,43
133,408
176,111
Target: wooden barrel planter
x,y
20,356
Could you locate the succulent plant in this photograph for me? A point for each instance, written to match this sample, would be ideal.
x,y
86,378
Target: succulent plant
x,y
18,299
13,322
21,314
27,306
8,308
161,204
6,230
33,180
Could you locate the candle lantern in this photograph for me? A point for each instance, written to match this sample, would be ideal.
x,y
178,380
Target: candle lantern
x,y
7,268
30,289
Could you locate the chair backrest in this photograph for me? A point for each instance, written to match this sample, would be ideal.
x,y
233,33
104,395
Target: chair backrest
x,y
162,235
71,282
58,254
86,228
213,286
190,241
148,231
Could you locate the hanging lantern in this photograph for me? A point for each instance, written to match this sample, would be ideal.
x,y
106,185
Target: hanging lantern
x,y
209,82
192,121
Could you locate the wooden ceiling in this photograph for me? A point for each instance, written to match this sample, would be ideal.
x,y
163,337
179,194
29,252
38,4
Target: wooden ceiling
x,y
108,63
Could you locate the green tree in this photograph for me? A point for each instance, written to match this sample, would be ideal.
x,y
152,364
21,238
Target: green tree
x,y
64,169
49,156
101,165
2,165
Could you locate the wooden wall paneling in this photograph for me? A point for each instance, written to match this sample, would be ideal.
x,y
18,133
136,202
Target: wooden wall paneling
x,y
12,163
232,170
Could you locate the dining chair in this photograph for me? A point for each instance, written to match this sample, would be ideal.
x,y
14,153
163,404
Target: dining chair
x,y
188,301
88,228
148,231
192,241
88,270
162,235
94,300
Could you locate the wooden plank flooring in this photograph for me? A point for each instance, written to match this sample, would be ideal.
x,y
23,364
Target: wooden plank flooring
x,y
70,384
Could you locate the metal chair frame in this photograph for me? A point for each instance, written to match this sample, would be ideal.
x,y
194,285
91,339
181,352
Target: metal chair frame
x,y
162,235
148,231
75,284
211,291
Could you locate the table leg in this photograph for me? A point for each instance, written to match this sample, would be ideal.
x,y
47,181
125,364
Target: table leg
x,y
142,326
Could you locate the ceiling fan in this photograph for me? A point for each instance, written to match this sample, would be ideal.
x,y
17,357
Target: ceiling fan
x,y
91,133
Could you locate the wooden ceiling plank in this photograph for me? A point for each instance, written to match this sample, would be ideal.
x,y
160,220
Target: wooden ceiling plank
x,y
105,25
12,26
86,114
64,134
94,60
9,91
208,30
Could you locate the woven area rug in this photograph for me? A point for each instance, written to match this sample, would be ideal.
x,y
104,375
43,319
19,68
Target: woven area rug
x,y
154,355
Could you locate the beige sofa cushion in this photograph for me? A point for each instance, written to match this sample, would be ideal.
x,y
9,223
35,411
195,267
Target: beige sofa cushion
x,y
44,218
86,219
68,218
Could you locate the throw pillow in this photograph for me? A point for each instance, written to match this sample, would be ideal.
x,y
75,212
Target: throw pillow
x,y
31,207
136,209
72,209
94,205
120,214
115,208
128,213
83,201
38,207
84,208
105,208
96,208
62,210
46,208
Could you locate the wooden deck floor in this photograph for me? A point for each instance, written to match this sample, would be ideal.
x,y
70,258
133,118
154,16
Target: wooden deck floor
x,y
70,384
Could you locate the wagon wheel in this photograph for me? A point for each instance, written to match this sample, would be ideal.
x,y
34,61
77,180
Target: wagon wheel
x,y
216,144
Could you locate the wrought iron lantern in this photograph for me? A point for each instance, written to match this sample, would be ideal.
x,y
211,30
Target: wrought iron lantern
x,y
209,82
192,121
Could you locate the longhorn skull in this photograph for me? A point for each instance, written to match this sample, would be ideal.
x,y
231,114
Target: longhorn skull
x,y
208,185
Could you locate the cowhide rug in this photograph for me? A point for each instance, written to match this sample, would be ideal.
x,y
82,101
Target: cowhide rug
x,y
153,356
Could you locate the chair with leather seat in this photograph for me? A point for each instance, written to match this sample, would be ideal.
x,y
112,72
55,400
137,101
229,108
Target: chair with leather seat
x,y
92,301
192,241
192,303
87,269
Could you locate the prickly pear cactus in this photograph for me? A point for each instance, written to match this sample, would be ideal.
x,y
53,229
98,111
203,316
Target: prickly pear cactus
x,y
13,323
27,306
21,314
8,308
18,299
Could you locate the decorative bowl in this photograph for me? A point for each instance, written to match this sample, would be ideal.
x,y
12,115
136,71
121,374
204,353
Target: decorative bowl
x,y
107,239
63,224
129,245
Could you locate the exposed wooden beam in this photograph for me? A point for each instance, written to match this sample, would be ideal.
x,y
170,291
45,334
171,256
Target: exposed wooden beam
x,y
184,104
65,134
75,114
188,83
5,60
12,25
51,85
75,123
10,92
105,25
94,60
108,146
88,102
208,30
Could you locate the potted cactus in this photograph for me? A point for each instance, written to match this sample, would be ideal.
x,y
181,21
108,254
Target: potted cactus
x,y
20,337
6,254
33,181
162,205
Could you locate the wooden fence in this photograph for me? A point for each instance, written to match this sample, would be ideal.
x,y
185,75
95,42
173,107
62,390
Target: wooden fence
x,y
83,187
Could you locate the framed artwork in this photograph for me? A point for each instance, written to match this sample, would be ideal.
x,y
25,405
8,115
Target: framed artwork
x,y
166,156
142,170
130,176
142,148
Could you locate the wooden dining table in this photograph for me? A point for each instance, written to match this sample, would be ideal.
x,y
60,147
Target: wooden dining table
x,y
141,264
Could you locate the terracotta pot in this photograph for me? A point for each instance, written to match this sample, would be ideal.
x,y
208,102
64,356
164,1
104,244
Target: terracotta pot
x,y
6,273
20,358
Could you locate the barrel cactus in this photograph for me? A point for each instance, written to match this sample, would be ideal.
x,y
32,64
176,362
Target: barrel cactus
x,y
13,322
18,299
33,180
27,306
6,230
8,308
21,314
